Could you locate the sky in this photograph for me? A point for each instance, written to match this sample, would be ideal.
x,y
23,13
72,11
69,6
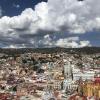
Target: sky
x,y
49,23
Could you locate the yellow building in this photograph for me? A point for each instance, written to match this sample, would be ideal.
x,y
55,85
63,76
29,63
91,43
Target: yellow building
x,y
90,89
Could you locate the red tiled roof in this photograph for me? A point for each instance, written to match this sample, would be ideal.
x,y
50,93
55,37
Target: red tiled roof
x,y
97,79
4,96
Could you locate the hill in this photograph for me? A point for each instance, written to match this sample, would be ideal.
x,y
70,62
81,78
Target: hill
x,y
86,50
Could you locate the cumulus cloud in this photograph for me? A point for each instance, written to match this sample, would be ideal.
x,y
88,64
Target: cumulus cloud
x,y
69,42
84,43
72,42
60,16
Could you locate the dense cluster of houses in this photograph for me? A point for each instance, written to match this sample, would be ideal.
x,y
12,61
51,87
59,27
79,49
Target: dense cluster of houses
x,y
57,76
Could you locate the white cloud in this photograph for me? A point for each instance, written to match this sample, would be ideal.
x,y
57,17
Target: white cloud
x,y
58,15
12,46
72,43
65,16
69,42
84,43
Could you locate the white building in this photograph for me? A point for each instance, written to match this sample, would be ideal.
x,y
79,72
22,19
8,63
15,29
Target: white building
x,y
85,75
67,70
69,85
47,95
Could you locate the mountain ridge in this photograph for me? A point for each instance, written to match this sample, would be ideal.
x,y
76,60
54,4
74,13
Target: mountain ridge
x,y
87,50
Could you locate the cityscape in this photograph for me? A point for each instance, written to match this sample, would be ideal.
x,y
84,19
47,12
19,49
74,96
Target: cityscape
x,y
50,76
49,49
